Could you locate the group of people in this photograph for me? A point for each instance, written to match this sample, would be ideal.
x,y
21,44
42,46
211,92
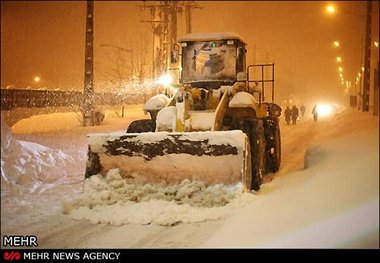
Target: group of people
x,y
292,114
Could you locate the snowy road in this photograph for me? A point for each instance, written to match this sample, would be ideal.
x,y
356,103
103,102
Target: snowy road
x,y
333,203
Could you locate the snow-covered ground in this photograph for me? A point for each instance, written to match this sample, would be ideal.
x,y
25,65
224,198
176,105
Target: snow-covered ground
x,y
326,193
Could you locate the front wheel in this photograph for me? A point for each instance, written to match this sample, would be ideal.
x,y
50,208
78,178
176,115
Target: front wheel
x,y
272,145
140,126
255,131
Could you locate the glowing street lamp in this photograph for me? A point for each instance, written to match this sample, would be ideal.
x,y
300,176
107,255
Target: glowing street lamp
x,y
376,44
363,69
341,75
336,43
340,69
37,79
339,59
330,9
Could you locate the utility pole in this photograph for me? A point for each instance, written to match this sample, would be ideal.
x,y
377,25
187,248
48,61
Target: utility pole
x,y
367,59
376,91
88,93
188,18
189,5
159,31
173,24
160,28
164,27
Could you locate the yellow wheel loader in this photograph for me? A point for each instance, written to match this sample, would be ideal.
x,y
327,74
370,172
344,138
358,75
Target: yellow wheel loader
x,y
216,128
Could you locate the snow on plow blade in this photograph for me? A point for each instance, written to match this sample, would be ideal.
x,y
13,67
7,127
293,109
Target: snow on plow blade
x,y
162,157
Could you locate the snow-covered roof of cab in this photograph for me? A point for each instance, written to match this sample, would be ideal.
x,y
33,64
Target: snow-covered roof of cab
x,y
210,37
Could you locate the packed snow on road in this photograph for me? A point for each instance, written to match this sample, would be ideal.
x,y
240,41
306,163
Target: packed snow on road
x,y
326,193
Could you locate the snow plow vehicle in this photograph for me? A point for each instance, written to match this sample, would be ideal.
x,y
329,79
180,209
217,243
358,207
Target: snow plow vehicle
x,y
216,128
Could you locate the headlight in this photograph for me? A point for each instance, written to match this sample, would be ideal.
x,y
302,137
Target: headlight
x,y
165,80
324,110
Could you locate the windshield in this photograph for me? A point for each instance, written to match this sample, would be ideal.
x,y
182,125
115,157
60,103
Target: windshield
x,y
208,61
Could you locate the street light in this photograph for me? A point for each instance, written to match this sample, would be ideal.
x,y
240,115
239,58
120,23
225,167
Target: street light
x,y
367,49
376,44
336,44
339,59
37,79
340,69
330,8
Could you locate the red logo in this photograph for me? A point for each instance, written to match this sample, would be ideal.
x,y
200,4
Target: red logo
x,y
12,256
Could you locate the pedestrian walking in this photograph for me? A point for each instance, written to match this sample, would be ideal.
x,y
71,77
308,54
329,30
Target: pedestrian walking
x,y
303,110
287,114
315,113
294,114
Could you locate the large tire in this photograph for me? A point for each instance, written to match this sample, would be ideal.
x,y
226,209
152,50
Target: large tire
x,y
255,131
272,145
140,126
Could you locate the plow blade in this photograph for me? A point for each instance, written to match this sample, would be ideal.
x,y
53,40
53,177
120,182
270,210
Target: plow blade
x,y
162,157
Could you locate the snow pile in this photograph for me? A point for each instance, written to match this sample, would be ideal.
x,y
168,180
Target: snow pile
x,y
5,135
61,121
28,167
112,200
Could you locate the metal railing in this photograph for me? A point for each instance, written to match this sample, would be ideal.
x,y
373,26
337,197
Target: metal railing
x,y
23,98
261,81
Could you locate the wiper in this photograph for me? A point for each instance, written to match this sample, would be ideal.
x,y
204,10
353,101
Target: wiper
x,y
197,52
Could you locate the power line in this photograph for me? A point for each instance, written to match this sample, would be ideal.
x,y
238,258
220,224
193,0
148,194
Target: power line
x,y
164,27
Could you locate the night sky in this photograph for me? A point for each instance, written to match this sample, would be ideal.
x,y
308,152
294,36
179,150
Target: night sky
x,y
47,39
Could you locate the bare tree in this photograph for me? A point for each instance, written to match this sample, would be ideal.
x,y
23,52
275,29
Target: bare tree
x,y
125,64
118,68
141,56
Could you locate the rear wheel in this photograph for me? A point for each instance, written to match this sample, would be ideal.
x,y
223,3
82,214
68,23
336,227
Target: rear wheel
x,y
272,145
140,126
255,131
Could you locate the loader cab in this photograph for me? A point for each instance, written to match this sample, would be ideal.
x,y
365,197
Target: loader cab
x,y
211,60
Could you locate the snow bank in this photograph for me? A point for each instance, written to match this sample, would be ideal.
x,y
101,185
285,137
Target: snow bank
x,y
112,200
5,134
32,166
332,203
28,167
62,121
